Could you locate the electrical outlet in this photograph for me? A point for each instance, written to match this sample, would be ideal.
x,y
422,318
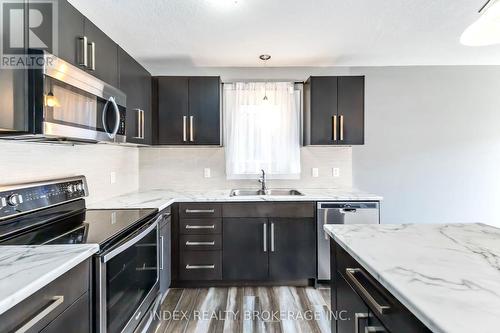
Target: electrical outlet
x,y
112,177
315,172
336,172
207,173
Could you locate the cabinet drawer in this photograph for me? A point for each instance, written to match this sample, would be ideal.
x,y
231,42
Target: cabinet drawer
x,y
280,209
50,301
200,226
76,317
198,265
195,210
201,242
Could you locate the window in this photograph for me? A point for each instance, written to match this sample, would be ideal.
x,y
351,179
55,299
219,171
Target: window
x,y
262,130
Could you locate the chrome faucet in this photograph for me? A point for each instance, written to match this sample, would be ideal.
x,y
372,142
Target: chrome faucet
x,y
262,180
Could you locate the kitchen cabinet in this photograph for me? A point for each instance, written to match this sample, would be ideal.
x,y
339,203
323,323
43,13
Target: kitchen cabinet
x,y
246,246
165,253
102,54
292,253
188,110
71,29
334,110
135,82
365,304
64,302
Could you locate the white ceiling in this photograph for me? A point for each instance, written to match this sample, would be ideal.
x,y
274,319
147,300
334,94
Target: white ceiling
x,y
205,33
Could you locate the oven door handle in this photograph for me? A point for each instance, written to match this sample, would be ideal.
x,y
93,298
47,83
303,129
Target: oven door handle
x,y
130,241
117,116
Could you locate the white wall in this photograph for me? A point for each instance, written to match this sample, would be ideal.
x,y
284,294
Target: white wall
x,y
25,162
183,168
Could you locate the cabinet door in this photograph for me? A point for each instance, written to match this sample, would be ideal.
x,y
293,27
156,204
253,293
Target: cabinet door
x,y
71,27
292,248
76,317
172,94
351,109
135,82
353,314
323,106
106,54
245,249
165,256
204,110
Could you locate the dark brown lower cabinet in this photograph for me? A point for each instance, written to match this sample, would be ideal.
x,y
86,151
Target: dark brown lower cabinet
x,y
245,254
362,304
293,248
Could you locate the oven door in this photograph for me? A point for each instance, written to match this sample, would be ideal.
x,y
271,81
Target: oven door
x,y
74,113
127,280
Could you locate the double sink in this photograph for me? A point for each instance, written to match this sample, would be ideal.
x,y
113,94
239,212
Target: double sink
x,y
277,192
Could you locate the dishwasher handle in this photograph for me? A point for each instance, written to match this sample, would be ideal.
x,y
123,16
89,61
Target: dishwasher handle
x,y
348,210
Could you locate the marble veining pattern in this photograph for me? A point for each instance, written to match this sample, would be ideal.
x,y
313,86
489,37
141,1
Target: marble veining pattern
x,y
161,199
26,269
448,275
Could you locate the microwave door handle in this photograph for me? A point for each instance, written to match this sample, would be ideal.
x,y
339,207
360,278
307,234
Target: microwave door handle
x,y
117,117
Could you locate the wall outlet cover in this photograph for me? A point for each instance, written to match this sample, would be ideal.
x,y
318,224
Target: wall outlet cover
x,y
315,172
207,173
336,172
112,177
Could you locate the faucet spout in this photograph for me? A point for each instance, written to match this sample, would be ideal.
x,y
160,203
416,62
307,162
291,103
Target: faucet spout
x,y
262,180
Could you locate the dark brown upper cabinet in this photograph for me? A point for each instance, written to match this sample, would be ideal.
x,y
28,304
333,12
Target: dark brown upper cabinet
x,y
334,108
187,110
135,82
71,29
102,54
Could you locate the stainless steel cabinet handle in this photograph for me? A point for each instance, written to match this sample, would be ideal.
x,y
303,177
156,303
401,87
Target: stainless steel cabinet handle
x,y
55,302
348,210
272,237
91,55
188,243
357,318
161,252
200,266
200,211
334,128
140,124
81,49
184,128
200,226
264,232
375,329
351,275
341,118
191,128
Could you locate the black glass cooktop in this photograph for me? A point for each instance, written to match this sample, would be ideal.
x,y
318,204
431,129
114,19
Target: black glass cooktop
x,y
86,226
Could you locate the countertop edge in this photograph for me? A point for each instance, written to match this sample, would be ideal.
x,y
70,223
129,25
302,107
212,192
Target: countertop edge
x,y
404,300
21,294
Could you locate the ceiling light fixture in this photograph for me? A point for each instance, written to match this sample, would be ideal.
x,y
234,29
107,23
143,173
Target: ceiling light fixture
x,y
265,58
486,29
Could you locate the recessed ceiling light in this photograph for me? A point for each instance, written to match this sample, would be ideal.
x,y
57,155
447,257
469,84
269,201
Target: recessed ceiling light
x,y
486,30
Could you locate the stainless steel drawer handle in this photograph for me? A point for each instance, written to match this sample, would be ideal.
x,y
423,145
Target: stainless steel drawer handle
x,y
191,128
184,128
162,247
188,243
82,58
375,329
351,274
341,119
200,211
139,117
357,317
272,237
334,128
200,226
91,55
200,266
55,302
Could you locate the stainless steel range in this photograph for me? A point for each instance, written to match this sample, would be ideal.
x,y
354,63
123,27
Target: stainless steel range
x,y
126,282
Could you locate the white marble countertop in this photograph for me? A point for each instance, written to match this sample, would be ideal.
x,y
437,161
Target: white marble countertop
x,y
161,199
448,275
26,269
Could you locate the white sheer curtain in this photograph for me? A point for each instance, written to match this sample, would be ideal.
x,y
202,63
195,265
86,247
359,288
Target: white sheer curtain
x,y
262,133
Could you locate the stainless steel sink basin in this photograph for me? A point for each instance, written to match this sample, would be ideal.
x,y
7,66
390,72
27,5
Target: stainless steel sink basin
x,y
282,192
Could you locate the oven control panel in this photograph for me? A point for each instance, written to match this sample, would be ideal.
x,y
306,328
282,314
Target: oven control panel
x,y
24,198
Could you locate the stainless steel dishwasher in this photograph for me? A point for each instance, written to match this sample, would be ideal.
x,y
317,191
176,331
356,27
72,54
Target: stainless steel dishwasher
x,y
352,212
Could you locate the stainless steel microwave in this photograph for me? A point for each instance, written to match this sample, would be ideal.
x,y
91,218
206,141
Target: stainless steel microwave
x,y
65,102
